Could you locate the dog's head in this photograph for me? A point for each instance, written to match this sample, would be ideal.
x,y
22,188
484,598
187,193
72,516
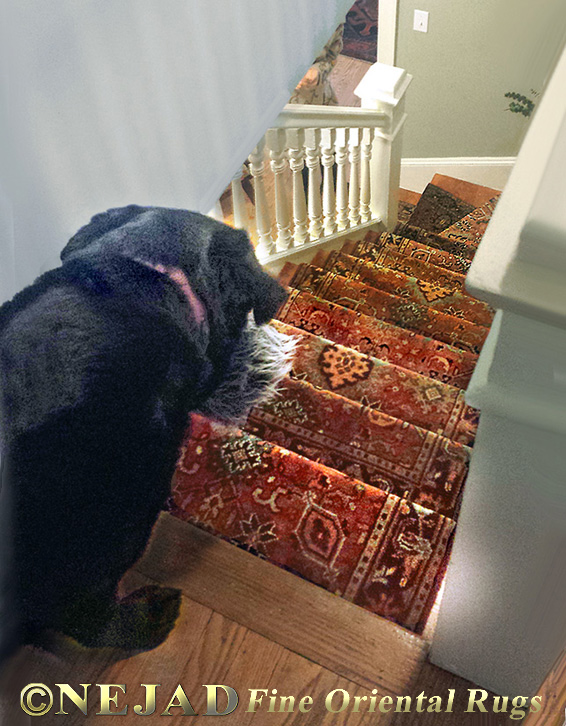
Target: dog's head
x,y
216,268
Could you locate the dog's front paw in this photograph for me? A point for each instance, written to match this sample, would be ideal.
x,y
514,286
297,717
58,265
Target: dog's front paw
x,y
144,618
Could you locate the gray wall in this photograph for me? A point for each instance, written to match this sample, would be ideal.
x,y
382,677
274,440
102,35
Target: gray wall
x,y
474,52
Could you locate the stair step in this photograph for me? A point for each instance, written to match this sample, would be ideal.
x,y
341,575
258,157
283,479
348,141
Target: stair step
x,y
375,242
437,209
474,194
387,342
369,547
430,239
382,386
407,203
471,228
387,256
392,309
281,607
368,445
424,292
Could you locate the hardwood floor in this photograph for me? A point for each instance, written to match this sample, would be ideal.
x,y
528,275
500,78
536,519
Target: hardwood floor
x,y
247,624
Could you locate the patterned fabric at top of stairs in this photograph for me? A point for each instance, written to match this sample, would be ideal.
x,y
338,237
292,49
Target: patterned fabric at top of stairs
x,y
374,243
390,420
429,357
468,192
387,256
366,444
438,209
457,303
372,548
470,229
382,386
392,309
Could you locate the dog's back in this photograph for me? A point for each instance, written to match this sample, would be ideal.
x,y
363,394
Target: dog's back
x,y
93,380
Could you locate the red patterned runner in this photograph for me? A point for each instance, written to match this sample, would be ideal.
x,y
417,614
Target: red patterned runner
x,y
409,248
424,292
387,256
471,228
424,236
374,549
438,208
383,306
382,386
387,342
369,445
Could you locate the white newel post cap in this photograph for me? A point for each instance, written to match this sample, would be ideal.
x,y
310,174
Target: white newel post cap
x,y
383,84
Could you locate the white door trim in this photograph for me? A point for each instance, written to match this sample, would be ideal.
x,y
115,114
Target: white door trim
x,y
387,31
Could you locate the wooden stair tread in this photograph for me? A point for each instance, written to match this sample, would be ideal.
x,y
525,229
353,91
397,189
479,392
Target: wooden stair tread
x,y
287,610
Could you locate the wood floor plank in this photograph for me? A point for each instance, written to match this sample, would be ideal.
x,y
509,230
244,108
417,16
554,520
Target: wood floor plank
x,y
435,681
553,697
292,612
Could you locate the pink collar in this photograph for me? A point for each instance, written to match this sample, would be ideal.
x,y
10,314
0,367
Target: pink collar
x,y
180,279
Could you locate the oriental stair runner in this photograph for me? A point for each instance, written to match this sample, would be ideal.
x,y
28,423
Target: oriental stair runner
x,y
353,475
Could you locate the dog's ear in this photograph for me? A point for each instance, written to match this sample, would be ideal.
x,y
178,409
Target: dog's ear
x,y
98,226
232,254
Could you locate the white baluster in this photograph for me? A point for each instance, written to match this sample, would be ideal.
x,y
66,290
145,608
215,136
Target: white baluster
x,y
365,194
328,137
341,186
312,141
239,201
263,222
276,142
295,142
354,192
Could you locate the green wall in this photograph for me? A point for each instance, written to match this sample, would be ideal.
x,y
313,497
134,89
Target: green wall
x,y
474,52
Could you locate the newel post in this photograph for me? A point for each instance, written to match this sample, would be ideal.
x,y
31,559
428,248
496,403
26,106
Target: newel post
x,y
383,88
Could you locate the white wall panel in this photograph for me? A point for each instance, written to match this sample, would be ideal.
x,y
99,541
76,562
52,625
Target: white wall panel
x,y
138,101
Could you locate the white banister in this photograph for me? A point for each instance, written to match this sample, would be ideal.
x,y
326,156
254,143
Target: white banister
x,y
354,191
342,220
352,157
328,138
324,117
296,141
365,190
502,621
263,222
312,146
277,144
239,202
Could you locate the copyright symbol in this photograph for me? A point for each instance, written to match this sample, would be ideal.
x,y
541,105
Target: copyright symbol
x,y
27,695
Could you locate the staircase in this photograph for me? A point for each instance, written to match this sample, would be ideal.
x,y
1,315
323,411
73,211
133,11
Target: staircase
x,y
353,475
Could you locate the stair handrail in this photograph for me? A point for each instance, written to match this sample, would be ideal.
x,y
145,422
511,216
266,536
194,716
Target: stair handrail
x,y
333,168
320,117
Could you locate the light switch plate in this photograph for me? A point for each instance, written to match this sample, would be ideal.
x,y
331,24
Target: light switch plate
x,y
420,21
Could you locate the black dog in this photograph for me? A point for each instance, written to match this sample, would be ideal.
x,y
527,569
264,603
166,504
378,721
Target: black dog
x,y
102,360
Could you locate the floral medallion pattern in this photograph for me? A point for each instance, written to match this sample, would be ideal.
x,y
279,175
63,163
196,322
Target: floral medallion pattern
x,y
426,356
397,391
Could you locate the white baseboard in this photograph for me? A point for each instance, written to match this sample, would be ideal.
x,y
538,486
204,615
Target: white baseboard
x,y
490,171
